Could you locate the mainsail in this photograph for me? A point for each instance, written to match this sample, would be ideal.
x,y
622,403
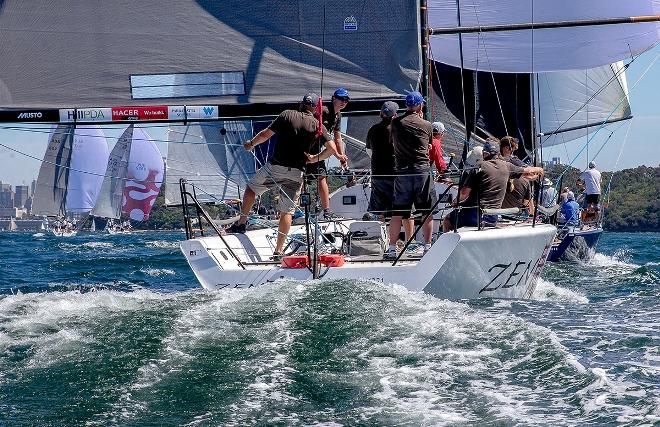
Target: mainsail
x,y
111,196
50,192
539,50
191,52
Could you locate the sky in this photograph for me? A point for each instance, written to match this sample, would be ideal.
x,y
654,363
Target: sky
x,y
19,164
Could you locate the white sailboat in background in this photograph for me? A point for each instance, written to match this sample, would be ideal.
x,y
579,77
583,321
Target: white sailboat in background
x,y
70,176
132,181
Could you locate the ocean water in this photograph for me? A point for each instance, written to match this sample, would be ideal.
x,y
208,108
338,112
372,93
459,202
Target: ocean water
x,y
114,330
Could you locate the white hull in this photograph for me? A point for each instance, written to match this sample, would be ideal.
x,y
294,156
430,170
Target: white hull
x,y
501,263
64,233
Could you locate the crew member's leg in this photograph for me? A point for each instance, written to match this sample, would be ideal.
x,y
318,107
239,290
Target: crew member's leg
x,y
282,231
290,184
246,205
324,192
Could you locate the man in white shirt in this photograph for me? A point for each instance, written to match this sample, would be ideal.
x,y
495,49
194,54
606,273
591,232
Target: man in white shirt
x,y
591,178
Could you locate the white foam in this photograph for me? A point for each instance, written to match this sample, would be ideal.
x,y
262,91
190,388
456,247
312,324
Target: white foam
x,y
98,244
548,291
155,272
616,260
162,244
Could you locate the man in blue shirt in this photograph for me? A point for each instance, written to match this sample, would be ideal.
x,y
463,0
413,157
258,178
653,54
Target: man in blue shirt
x,y
570,210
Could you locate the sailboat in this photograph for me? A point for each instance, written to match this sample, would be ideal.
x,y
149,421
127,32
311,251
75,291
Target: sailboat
x,y
132,181
70,176
270,53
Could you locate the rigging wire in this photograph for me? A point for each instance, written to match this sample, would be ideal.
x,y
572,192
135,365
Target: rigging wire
x,y
602,125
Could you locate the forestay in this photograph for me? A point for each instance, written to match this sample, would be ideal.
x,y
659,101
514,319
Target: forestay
x,y
528,51
79,54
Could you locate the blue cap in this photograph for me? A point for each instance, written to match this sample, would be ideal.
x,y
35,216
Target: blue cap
x,y
491,146
389,108
310,99
414,98
341,93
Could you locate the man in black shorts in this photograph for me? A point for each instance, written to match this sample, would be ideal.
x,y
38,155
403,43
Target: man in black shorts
x,y
317,170
296,131
411,136
382,162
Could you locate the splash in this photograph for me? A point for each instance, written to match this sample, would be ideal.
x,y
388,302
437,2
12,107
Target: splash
x,y
549,291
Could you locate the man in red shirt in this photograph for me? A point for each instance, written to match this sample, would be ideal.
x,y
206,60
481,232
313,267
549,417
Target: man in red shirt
x,y
435,149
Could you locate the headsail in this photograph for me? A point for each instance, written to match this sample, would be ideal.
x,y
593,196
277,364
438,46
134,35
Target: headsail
x,y
144,176
210,156
89,160
542,50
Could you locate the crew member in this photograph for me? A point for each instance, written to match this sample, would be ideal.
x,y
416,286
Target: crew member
x,y
435,149
485,188
317,170
411,136
296,131
382,162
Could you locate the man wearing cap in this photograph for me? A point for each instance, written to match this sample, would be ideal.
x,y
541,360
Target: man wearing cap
x,y
485,188
317,169
570,210
296,131
591,178
549,193
411,136
382,163
435,149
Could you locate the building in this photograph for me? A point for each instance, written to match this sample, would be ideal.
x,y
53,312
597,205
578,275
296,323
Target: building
x,y
6,197
21,195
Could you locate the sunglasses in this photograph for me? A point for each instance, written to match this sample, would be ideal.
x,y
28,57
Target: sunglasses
x,y
342,98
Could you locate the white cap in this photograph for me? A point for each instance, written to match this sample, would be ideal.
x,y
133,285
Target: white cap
x,y
475,155
438,127
592,165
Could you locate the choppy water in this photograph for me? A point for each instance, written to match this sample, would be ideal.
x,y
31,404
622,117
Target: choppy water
x,y
114,330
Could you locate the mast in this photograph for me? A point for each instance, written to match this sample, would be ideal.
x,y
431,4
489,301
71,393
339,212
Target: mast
x,y
424,35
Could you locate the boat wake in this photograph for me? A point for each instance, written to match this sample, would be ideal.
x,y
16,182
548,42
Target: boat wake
x,y
549,291
291,353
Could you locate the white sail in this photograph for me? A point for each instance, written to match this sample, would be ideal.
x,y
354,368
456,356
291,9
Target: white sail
x,y
573,103
528,51
109,202
50,192
89,160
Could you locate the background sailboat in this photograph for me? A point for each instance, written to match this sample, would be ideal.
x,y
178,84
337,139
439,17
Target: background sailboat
x,y
132,181
70,176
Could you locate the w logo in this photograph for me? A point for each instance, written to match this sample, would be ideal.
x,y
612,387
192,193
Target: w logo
x,y
208,110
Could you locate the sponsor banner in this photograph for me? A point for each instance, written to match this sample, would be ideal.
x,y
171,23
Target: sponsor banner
x,y
86,115
193,112
29,116
158,112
